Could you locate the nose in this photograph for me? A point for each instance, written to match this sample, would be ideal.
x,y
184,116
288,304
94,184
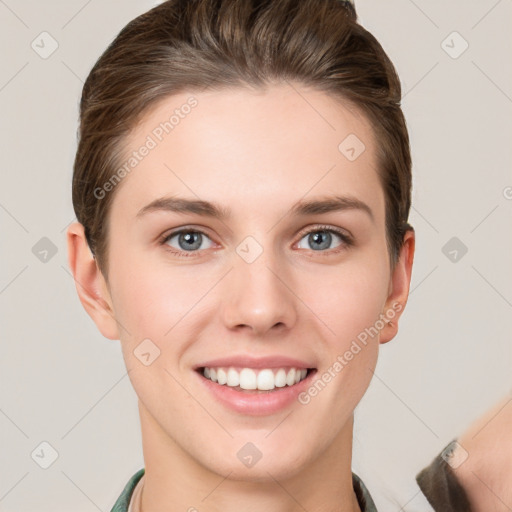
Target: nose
x,y
260,296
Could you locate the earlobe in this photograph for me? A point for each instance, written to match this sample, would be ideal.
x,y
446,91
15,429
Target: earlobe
x,y
90,283
399,288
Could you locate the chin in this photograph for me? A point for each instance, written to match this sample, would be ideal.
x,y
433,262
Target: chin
x,y
266,469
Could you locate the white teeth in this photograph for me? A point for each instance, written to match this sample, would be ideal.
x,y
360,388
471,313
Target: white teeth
x,y
222,378
266,379
280,379
290,378
247,378
233,378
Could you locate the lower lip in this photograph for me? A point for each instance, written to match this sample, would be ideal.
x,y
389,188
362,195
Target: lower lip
x,y
256,403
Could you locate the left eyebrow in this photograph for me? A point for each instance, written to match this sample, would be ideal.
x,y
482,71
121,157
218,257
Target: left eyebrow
x,y
301,208
331,204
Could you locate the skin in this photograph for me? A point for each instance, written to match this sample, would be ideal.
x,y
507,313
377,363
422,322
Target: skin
x,y
486,449
258,153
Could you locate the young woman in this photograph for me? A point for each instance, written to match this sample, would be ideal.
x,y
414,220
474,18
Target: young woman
x,y
242,188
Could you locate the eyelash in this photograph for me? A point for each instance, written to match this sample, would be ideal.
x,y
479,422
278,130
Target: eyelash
x,y
347,240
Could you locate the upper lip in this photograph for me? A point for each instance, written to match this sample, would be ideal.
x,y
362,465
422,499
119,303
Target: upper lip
x,y
245,361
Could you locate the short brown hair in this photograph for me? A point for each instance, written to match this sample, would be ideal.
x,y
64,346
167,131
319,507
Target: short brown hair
x,y
185,44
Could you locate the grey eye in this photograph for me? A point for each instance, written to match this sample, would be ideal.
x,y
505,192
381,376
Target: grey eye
x,y
187,240
320,239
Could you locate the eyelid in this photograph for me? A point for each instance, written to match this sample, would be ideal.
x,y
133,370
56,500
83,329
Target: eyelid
x,y
344,233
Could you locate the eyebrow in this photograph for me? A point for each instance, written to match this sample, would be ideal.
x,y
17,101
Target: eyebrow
x,y
213,210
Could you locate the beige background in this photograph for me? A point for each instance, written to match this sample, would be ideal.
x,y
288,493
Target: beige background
x,y
63,384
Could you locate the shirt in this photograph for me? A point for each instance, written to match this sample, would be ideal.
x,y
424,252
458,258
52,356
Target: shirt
x,y
129,501
440,485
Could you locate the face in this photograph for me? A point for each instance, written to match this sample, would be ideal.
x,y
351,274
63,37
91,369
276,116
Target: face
x,y
275,275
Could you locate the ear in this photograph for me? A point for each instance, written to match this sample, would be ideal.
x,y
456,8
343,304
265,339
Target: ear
x,y
90,284
398,288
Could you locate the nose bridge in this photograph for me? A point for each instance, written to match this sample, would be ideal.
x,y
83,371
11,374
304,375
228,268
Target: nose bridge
x,y
258,297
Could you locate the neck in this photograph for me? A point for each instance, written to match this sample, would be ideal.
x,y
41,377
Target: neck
x,y
175,480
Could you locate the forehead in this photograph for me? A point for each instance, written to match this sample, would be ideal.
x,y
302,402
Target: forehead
x,y
248,148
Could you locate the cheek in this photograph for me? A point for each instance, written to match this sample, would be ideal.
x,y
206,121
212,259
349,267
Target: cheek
x,y
347,299
152,304
149,300
349,303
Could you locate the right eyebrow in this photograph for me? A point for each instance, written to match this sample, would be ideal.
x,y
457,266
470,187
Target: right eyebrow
x,y
182,205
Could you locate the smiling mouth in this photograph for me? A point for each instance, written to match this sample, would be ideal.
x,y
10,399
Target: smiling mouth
x,y
254,388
